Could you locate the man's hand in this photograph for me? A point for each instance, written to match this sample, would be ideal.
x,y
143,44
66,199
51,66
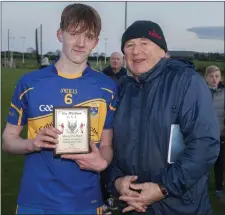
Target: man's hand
x,y
123,186
92,161
150,193
46,138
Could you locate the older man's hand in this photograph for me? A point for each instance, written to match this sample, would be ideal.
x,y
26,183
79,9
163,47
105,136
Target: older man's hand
x,y
150,193
123,186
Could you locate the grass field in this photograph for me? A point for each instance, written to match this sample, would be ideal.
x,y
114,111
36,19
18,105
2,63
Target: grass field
x,y
12,165
202,64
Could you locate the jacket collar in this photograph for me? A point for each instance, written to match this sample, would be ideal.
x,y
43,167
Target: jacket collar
x,y
162,66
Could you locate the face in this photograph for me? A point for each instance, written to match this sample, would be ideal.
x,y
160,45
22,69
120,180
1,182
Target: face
x,y
116,61
141,55
76,46
213,78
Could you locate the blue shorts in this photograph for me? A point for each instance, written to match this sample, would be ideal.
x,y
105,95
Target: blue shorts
x,y
22,210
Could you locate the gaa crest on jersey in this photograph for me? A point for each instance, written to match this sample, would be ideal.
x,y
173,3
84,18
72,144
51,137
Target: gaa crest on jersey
x,y
94,111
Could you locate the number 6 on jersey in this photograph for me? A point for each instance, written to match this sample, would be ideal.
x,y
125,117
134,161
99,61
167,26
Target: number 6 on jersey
x,y
68,98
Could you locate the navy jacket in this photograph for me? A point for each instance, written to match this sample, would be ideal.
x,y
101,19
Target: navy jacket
x,y
115,76
171,93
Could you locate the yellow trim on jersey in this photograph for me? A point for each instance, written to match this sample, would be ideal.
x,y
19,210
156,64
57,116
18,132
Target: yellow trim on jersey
x,y
16,108
70,76
35,124
92,100
39,117
99,211
107,90
22,94
20,111
112,108
97,120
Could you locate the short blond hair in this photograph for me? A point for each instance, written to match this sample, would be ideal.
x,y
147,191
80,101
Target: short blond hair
x,y
211,69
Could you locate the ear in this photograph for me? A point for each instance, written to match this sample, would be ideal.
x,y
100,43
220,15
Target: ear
x,y
60,35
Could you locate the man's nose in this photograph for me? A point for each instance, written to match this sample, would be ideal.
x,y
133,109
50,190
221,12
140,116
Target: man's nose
x,y
80,40
137,49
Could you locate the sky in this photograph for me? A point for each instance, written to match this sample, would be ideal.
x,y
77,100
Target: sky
x,y
187,26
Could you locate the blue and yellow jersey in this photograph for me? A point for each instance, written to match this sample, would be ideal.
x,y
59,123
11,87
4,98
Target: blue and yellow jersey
x,y
50,182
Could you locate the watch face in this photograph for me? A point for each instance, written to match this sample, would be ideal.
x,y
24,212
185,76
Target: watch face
x,y
163,190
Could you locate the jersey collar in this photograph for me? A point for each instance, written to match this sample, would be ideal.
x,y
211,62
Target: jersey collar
x,y
74,76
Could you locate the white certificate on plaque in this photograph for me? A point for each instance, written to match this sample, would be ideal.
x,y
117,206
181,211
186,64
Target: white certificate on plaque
x,y
74,122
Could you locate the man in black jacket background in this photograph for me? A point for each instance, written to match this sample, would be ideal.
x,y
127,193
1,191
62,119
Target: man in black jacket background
x,y
116,69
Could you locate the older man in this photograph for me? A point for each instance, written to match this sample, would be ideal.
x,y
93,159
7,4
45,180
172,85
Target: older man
x,y
163,93
116,69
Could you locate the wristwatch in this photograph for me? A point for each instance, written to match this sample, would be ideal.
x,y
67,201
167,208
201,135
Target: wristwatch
x,y
163,190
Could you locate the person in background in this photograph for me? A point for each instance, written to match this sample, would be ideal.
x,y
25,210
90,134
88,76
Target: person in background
x,y
44,62
214,81
115,70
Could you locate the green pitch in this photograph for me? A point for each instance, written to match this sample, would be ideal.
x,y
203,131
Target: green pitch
x,y
12,165
202,64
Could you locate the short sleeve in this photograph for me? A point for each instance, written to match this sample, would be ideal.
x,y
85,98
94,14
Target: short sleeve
x,y
17,114
111,110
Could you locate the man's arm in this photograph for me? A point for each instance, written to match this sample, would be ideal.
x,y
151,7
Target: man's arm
x,y
107,134
13,143
113,173
200,129
106,145
16,119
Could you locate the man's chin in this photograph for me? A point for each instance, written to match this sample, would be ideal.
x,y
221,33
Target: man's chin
x,y
214,85
79,61
116,68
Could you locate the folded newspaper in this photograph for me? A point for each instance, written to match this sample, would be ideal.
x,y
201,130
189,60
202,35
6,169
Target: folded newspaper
x,y
176,144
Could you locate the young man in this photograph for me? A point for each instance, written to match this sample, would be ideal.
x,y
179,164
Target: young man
x,y
213,79
68,184
163,93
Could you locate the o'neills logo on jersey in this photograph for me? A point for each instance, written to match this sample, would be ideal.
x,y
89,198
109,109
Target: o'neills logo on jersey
x,y
46,108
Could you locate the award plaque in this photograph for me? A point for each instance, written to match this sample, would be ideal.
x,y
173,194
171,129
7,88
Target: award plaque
x,y
74,122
